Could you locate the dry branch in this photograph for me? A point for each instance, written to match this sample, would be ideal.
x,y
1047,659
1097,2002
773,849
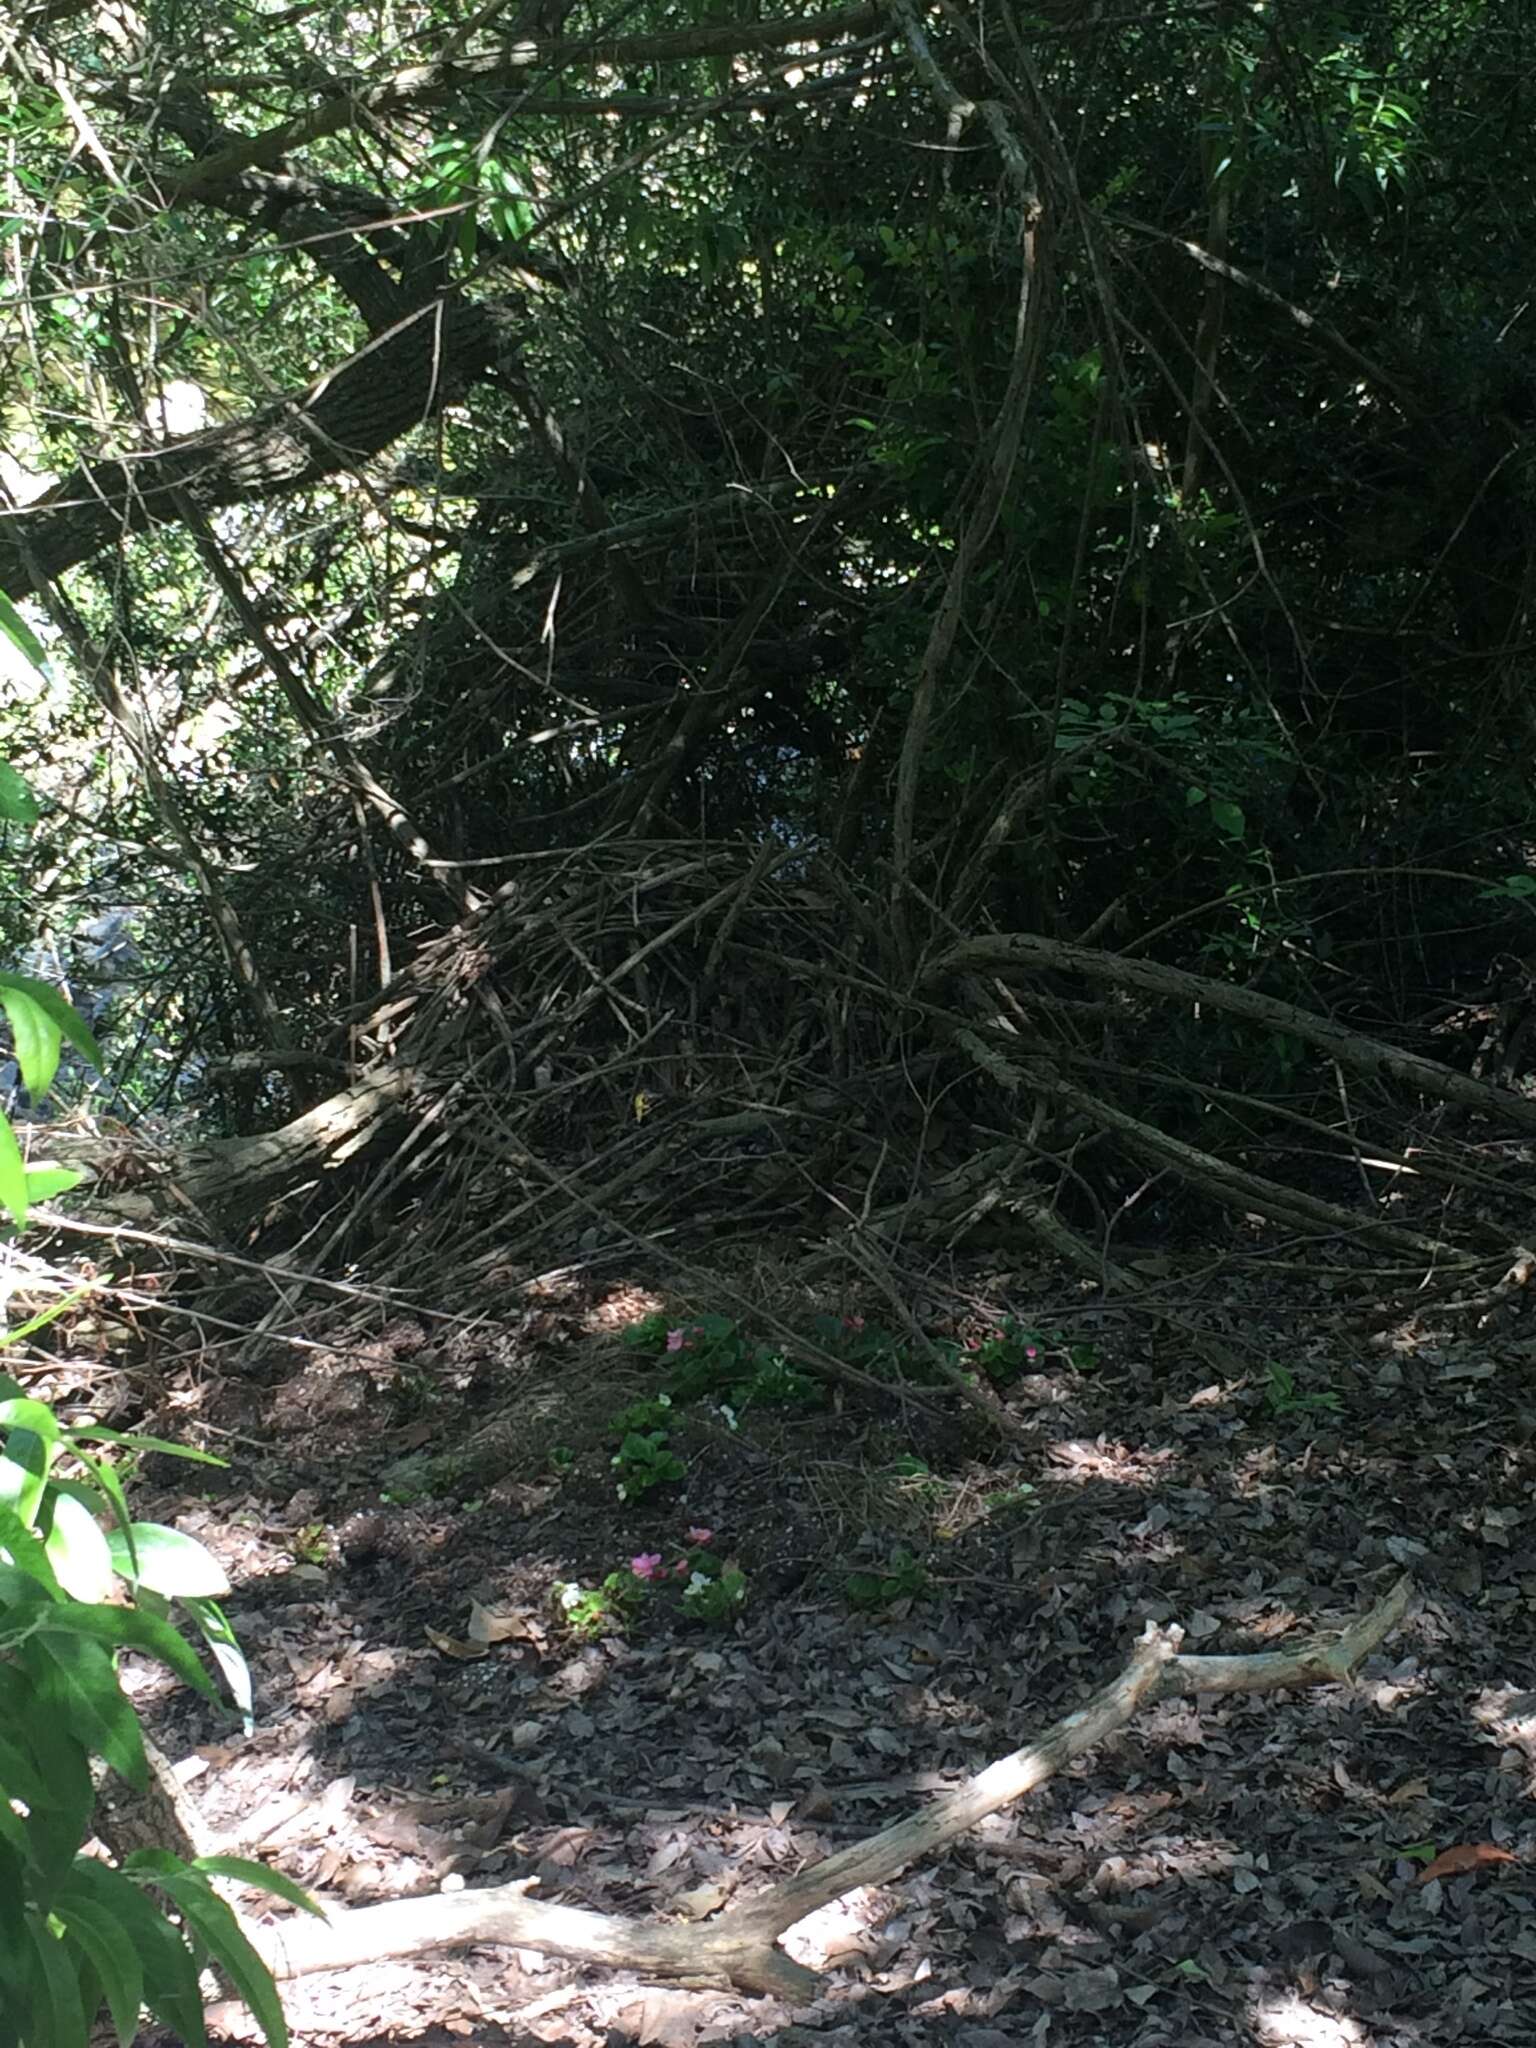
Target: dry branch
x,y
1353,1049
739,1947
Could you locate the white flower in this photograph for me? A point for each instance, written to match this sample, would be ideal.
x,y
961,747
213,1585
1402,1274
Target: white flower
x,y
570,1595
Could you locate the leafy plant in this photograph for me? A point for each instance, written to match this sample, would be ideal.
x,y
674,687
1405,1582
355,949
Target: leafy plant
x,y
79,1932
600,1610
901,1578
715,1592
708,1589
644,1461
40,1020
1021,1495
1282,1392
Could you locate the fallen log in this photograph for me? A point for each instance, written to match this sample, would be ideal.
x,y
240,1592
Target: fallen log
x,y
739,1947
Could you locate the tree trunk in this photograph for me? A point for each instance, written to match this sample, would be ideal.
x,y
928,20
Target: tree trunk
x,y
388,387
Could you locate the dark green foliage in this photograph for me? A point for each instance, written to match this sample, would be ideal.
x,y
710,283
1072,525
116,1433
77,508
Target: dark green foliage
x,y
75,1932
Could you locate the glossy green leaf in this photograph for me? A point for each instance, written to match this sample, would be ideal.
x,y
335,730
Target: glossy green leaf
x,y
46,1019
21,636
13,1175
34,1033
78,1551
227,1654
20,1777
20,1549
104,1484
168,1561
126,1627
59,2017
103,1933
26,1598
76,1678
216,1927
31,1444
171,1989
258,1875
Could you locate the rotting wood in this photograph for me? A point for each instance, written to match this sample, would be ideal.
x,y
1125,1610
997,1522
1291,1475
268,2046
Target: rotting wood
x,y
739,1948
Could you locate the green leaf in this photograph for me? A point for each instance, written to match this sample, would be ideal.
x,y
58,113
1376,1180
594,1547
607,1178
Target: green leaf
x,y
18,806
244,1871
227,1654
59,1816
219,1931
25,1572
34,1034
58,2020
44,1182
49,1018
78,1551
167,1561
104,1481
170,1971
21,636
31,1445
13,1174
103,1891
115,1627
96,1433
100,1931
19,1776
76,1679
1228,818
13,1940
9,1388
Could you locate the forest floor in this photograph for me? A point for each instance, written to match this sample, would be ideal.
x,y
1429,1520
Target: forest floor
x,y
923,1593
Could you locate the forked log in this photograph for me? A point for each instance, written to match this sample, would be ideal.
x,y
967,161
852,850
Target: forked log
x,y
738,1949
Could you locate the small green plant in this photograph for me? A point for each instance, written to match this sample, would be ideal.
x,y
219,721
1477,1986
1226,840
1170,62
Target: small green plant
x,y
711,1359
1283,1394
1023,1495
655,1413
714,1592
562,1460
311,1544
709,1589
645,1461
901,1578
604,1610
80,1932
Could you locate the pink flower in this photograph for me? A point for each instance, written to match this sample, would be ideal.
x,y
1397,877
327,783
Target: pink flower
x,y
853,1322
1030,1351
701,1536
646,1565
677,1340
680,1569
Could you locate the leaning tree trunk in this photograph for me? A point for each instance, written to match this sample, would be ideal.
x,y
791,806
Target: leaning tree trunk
x,y
235,1183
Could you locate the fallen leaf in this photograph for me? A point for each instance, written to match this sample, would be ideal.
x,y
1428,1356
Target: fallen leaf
x,y
486,1626
1464,1857
704,1900
451,1646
